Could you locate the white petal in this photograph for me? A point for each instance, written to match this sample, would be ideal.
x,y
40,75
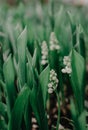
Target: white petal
x,y
63,71
68,70
57,47
43,62
52,47
50,90
50,85
43,57
57,81
69,64
34,120
54,78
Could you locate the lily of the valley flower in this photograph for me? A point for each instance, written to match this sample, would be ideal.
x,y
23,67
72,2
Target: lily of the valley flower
x,y
44,51
53,82
67,64
54,42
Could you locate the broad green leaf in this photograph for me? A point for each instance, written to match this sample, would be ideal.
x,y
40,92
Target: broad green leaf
x,y
18,30
38,108
74,114
33,101
29,57
78,67
82,121
73,28
10,33
41,110
80,45
19,108
30,75
74,111
34,60
21,46
36,57
44,78
28,116
36,76
9,75
30,33
31,37
77,77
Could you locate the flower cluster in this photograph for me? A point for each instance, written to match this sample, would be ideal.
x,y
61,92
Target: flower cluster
x,y
44,51
67,64
53,82
54,42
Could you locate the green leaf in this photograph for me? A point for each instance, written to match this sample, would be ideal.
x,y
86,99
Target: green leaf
x,y
9,75
19,108
82,121
36,57
10,33
31,37
41,110
21,46
80,45
34,60
29,57
74,111
73,28
79,120
33,101
77,77
44,78
18,30
30,75
28,116
38,108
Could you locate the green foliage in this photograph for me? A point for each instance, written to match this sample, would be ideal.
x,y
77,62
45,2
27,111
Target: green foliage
x,y
77,78
21,48
18,109
78,84
9,75
23,79
44,77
